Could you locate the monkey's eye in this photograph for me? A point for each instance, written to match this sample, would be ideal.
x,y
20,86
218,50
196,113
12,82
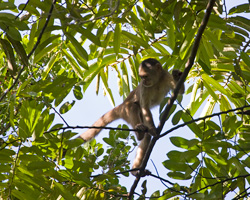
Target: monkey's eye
x,y
144,77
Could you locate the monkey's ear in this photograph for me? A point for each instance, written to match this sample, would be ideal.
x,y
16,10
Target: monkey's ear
x,y
158,66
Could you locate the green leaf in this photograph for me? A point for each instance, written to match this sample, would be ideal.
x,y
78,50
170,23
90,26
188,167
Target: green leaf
x,y
20,50
206,68
215,84
136,39
217,157
215,21
9,55
239,9
183,143
117,38
40,165
245,58
186,156
87,33
64,192
49,66
176,118
106,87
73,63
187,42
7,6
44,52
214,40
30,113
13,33
171,34
178,176
209,107
82,52
193,126
21,195
76,55
125,80
32,36
237,95
240,21
66,107
77,92
210,90
139,25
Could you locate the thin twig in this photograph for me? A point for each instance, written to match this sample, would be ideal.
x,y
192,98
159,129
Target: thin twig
x,y
91,127
60,116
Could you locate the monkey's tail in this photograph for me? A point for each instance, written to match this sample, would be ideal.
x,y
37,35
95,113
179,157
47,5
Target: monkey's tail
x,y
101,122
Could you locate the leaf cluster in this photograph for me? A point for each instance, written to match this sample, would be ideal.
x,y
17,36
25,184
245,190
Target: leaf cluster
x,y
48,52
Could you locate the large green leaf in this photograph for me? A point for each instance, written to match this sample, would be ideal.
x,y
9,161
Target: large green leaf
x,y
30,113
215,84
9,55
117,38
74,65
82,52
135,39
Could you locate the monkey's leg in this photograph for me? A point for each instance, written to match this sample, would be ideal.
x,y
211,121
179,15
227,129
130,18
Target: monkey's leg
x,y
101,122
148,120
134,117
140,153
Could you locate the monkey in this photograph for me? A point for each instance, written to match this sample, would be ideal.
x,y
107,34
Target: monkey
x,y
135,110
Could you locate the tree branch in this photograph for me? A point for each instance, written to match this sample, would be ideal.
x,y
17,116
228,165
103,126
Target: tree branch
x,y
175,94
87,127
201,119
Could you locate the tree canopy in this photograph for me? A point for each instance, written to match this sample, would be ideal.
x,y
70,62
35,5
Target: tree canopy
x,y
51,48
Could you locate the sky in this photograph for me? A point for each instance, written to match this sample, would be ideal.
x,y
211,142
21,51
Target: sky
x,y
86,111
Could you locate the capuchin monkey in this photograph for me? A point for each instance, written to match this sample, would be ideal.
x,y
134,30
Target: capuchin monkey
x,y
135,110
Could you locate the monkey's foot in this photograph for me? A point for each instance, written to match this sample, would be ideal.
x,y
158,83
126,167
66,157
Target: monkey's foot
x,y
141,130
142,173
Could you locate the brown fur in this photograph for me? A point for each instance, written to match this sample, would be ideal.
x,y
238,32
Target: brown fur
x,y
135,110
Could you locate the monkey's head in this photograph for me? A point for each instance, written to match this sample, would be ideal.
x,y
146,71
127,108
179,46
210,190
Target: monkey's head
x,y
150,71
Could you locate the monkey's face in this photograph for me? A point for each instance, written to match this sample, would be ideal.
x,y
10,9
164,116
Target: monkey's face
x,y
149,75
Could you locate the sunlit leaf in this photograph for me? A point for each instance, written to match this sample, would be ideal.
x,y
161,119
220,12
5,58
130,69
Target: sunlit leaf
x,y
45,52
117,38
66,107
183,143
20,50
10,56
238,9
136,39
82,52
187,42
74,65
245,58
215,84
49,66
107,89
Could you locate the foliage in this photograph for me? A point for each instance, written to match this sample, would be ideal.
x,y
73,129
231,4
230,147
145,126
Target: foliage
x,y
49,51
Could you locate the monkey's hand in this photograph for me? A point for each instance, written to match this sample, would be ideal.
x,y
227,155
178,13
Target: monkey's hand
x,y
141,130
152,132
